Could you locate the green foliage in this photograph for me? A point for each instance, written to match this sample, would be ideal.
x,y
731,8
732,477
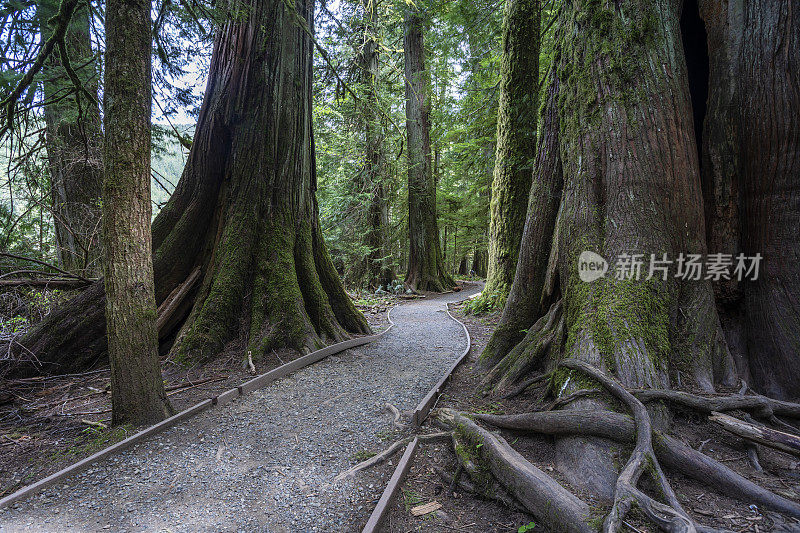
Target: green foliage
x,y
462,54
489,302
530,526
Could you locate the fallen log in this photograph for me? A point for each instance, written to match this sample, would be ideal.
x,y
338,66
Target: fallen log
x,y
772,438
49,283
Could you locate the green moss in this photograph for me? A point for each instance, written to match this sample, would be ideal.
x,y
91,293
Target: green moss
x,y
468,450
615,312
610,53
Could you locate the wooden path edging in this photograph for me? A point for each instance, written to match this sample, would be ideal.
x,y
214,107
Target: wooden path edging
x,y
382,509
421,412
219,400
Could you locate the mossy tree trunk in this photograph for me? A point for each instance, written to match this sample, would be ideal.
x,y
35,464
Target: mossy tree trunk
x,y
426,271
74,142
616,173
137,389
244,214
378,268
516,143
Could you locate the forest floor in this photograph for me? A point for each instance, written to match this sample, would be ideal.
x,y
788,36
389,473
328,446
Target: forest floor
x,y
464,512
267,461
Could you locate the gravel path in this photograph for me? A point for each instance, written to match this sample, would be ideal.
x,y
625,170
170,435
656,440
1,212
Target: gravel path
x,y
267,461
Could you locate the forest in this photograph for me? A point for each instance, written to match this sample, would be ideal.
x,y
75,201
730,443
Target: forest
x,y
266,228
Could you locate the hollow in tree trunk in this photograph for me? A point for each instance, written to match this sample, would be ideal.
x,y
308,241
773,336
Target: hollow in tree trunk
x,y
137,389
426,271
74,143
238,252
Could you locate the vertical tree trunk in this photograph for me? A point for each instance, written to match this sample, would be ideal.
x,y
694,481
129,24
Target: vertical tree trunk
x,y
426,270
73,141
620,137
751,165
379,270
138,395
244,214
516,143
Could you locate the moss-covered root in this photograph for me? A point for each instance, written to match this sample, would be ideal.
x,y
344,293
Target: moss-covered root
x,y
277,291
556,507
350,318
530,352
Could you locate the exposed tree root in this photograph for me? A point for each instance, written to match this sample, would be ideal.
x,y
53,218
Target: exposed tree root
x,y
673,453
539,341
539,494
525,385
760,406
670,517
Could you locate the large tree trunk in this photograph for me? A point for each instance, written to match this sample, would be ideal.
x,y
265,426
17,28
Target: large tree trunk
x,y
516,143
751,169
379,269
426,271
244,213
619,137
73,141
137,389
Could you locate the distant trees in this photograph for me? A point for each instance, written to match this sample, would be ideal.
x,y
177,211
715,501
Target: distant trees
x,y
378,263
426,270
74,142
137,388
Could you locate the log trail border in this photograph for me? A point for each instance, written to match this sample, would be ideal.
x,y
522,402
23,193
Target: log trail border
x,y
221,399
419,415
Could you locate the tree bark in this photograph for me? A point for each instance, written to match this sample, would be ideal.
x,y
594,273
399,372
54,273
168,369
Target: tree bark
x,y
74,142
137,388
770,147
516,143
620,137
379,269
244,212
751,157
426,271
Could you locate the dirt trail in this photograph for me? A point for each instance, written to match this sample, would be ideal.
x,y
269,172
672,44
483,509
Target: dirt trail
x,y
267,461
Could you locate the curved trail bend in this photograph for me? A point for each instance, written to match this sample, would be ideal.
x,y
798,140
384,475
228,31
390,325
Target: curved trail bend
x,y
267,461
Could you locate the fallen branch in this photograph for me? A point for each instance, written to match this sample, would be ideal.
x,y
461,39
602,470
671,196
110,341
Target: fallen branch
x,y
387,453
772,438
38,262
539,494
174,389
396,415
46,283
173,302
760,406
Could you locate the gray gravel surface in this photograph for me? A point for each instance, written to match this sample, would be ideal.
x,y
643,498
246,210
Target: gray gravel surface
x,y
267,461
